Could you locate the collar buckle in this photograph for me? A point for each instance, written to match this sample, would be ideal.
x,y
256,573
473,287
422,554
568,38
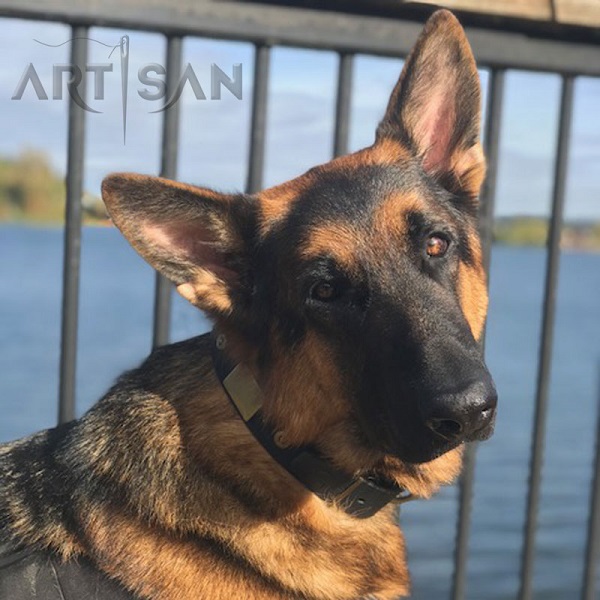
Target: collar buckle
x,y
367,495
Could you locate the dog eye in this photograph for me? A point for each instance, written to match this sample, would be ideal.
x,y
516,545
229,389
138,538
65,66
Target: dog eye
x,y
324,291
437,245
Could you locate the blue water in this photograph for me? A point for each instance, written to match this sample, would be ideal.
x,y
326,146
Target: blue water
x,y
115,332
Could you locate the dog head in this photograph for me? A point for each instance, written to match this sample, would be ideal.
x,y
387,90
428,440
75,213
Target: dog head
x,y
355,292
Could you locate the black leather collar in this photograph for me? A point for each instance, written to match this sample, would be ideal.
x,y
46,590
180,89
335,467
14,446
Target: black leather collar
x,y
360,497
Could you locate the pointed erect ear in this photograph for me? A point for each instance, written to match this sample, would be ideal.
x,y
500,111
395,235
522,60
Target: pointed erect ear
x,y
435,106
197,238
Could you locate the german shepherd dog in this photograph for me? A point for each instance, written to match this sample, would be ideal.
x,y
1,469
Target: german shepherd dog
x,y
343,374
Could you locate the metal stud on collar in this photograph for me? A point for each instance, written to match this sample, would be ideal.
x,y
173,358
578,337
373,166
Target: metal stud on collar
x,y
280,441
221,341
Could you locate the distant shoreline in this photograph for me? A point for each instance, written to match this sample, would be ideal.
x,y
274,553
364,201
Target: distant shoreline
x,y
581,235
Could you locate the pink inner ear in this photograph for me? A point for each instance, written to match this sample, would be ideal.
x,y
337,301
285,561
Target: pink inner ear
x,y
434,129
190,242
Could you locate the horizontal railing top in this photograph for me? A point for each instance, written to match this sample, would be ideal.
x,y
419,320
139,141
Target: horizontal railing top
x,y
308,28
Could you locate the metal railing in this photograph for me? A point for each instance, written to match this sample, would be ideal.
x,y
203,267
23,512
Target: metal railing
x,y
347,35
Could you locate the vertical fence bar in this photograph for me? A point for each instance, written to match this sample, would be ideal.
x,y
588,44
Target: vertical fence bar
x,y
541,402
593,541
168,168
342,104
486,221
72,239
258,126
492,152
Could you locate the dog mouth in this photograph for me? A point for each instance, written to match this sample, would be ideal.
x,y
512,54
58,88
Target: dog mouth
x,y
416,446
426,451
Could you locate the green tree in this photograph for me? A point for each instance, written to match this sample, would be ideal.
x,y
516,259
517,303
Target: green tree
x,y
30,189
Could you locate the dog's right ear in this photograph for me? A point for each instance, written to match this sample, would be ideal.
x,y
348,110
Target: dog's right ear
x,y
435,108
197,238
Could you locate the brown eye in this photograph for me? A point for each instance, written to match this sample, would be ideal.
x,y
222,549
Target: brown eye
x,y
437,246
323,291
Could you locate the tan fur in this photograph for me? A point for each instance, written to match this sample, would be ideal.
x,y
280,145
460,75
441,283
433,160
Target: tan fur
x,y
472,288
294,392
337,240
390,224
207,292
275,202
469,168
386,151
52,534
122,548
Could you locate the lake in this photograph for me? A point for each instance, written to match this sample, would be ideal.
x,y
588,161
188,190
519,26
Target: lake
x,y
115,334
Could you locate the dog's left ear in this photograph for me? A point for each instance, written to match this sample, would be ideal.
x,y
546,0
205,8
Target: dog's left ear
x,y
435,108
197,238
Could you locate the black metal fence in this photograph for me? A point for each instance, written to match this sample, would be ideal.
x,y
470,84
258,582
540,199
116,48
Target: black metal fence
x,y
347,35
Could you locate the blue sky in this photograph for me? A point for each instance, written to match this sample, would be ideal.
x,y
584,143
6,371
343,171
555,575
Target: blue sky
x,y
215,134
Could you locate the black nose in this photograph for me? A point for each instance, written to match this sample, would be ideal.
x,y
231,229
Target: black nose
x,y
467,415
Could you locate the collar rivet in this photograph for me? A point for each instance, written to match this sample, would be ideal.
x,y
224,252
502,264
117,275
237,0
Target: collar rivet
x,y
221,341
279,439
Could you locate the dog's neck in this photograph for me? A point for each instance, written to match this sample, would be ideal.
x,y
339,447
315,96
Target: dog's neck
x,y
360,496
